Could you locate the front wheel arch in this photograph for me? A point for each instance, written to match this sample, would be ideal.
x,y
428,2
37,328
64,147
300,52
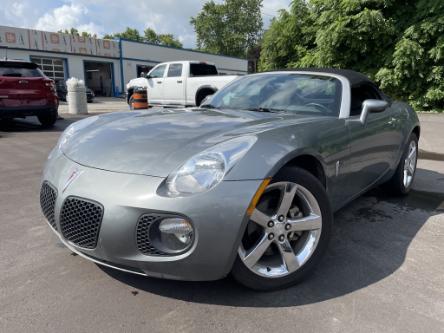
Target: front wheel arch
x,y
307,162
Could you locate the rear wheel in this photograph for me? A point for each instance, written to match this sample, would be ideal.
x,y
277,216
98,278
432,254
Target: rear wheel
x,y
48,119
402,180
287,234
202,95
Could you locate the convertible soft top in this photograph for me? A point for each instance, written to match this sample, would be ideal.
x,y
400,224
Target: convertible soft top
x,y
355,78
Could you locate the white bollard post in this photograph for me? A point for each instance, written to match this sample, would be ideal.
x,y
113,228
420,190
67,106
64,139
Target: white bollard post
x,y
76,97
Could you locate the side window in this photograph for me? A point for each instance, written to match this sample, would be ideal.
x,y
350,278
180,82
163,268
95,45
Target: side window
x,y
202,69
359,94
158,72
175,70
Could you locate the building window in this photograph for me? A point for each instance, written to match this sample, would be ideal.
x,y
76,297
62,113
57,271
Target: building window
x,y
53,68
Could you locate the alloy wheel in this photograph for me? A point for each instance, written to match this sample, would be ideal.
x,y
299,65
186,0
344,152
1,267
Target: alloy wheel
x,y
410,164
283,231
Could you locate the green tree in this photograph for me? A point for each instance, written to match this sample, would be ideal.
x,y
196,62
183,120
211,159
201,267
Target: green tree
x,y
151,36
169,40
416,69
75,32
290,38
399,43
231,27
129,33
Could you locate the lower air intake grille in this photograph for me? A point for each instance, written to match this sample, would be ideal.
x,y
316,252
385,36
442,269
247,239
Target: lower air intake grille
x,y
143,240
48,196
80,221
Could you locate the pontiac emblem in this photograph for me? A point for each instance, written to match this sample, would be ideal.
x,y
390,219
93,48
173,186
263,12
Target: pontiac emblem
x,y
75,173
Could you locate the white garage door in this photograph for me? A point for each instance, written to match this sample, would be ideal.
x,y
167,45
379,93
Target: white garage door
x,y
52,67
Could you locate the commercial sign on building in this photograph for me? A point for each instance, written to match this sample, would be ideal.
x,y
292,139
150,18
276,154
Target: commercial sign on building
x,y
57,42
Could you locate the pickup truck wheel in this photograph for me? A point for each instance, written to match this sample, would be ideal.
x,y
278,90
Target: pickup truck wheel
x,y
131,103
202,94
287,234
48,119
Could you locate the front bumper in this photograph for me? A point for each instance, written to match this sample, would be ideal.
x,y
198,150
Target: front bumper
x,y
218,216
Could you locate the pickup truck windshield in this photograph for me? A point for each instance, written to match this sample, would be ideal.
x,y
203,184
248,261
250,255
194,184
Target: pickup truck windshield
x,y
201,69
299,93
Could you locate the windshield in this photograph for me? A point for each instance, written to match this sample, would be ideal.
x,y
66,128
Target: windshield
x,y
276,92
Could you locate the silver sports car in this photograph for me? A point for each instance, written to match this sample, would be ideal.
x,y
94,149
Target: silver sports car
x,y
246,184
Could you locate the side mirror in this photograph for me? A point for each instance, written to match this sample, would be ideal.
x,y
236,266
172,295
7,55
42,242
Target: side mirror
x,y
372,106
148,76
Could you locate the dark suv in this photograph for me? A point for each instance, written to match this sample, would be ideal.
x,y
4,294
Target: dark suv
x,y
62,92
26,91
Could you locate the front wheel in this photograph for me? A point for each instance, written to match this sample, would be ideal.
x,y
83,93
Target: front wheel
x,y
287,234
131,103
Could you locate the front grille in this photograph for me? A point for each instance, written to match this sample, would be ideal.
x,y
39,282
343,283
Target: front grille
x,y
80,221
48,196
142,235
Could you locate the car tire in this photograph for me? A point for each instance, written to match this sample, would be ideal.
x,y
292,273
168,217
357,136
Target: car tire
x,y
48,120
398,184
313,189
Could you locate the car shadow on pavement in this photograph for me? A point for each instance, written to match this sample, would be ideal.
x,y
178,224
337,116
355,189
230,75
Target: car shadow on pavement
x,y
31,124
369,243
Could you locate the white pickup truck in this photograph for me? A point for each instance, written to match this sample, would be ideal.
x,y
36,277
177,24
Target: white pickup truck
x,y
184,83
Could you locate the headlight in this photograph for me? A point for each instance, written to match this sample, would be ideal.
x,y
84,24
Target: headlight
x,y
207,169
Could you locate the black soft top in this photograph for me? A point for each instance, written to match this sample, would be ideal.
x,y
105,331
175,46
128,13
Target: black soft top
x,y
355,78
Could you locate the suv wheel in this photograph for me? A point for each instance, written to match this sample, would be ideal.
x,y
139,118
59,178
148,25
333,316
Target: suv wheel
x,y
48,119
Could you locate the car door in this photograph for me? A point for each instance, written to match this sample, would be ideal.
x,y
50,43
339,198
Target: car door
x,y
372,144
155,84
174,85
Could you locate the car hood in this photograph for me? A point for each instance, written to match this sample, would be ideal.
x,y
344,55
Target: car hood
x,y
157,141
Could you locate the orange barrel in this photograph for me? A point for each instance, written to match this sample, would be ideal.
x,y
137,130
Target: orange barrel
x,y
139,100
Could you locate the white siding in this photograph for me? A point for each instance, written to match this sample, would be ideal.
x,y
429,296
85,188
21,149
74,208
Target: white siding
x,y
23,43
75,63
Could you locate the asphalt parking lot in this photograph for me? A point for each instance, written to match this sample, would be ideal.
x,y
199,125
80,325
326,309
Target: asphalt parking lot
x,y
384,270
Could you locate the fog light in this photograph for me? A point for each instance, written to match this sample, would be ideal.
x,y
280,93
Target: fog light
x,y
176,234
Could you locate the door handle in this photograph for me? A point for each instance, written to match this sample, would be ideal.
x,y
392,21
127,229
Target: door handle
x,y
159,82
179,81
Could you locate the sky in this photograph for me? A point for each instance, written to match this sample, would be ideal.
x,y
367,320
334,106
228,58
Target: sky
x,y
109,16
